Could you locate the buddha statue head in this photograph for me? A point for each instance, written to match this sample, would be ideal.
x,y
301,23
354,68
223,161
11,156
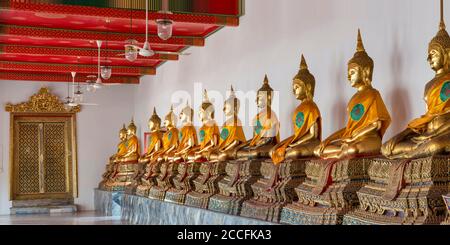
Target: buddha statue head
x,y
131,130
439,50
206,112
303,84
123,133
231,104
154,123
264,95
360,67
170,120
186,114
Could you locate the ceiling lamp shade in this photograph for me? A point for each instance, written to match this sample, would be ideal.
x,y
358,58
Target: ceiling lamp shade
x,y
106,72
131,51
164,28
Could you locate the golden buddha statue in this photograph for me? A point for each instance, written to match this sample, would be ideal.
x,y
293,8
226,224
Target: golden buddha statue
x,y
169,138
154,146
209,132
232,134
306,119
154,141
430,134
368,116
187,137
265,127
131,146
121,149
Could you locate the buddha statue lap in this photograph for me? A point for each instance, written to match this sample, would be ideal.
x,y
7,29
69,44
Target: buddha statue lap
x,y
368,116
430,134
154,146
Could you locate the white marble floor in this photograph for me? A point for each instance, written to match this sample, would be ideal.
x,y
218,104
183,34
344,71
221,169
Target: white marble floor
x,y
80,218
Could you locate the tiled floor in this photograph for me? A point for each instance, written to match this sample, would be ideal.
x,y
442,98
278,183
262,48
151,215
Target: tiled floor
x,y
80,218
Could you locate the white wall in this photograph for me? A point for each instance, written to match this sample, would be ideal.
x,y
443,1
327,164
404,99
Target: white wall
x,y
97,130
273,34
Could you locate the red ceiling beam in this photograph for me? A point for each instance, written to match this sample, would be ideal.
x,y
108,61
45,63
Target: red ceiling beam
x,y
93,35
78,52
104,13
52,77
63,68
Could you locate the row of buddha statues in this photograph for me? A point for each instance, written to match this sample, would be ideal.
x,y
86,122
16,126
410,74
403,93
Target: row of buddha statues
x,y
367,121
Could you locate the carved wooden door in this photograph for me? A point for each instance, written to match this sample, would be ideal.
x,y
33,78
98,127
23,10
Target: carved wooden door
x,y
42,157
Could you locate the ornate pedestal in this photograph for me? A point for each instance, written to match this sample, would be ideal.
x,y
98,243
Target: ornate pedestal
x,y
123,176
205,189
418,200
328,192
135,179
164,181
230,198
183,182
268,202
447,204
106,177
148,182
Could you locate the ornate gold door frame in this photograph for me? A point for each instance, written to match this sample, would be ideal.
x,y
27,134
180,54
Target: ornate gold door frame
x,y
43,150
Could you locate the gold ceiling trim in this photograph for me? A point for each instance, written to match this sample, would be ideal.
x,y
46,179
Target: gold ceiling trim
x,y
42,102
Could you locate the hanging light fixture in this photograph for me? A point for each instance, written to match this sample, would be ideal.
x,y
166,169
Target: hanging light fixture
x,y
106,70
165,25
98,83
90,83
68,99
146,51
131,50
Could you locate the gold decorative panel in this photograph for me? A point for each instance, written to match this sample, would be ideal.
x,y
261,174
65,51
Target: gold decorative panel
x,y
55,157
28,163
43,149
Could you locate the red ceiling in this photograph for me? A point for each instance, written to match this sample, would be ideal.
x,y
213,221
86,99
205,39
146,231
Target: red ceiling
x,y
43,40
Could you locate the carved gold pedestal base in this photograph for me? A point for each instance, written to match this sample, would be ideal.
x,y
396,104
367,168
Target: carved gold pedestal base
x,y
447,203
231,196
136,180
269,200
204,189
183,182
124,172
106,176
419,201
164,180
336,199
143,188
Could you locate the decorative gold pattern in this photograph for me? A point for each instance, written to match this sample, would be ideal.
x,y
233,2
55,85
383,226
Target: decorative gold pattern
x,y
55,168
28,163
42,102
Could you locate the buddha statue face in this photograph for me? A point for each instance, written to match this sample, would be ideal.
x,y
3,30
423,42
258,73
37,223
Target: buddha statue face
x,y
437,58
229,109
299,89
123,135
359,76
263,99
153,126
131,131
186,115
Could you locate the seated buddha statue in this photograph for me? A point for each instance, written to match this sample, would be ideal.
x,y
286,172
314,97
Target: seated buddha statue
x,y
154,143
232,134
131,145
306,120
368,117
430,134
169,138
265,127
209,132
187,137
121,149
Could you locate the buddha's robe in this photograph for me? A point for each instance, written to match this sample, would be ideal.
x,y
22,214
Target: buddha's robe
x,y
207,133
265,125
169,139
304,117
231,131
154,138
365,108
132,149
187,134
438,103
